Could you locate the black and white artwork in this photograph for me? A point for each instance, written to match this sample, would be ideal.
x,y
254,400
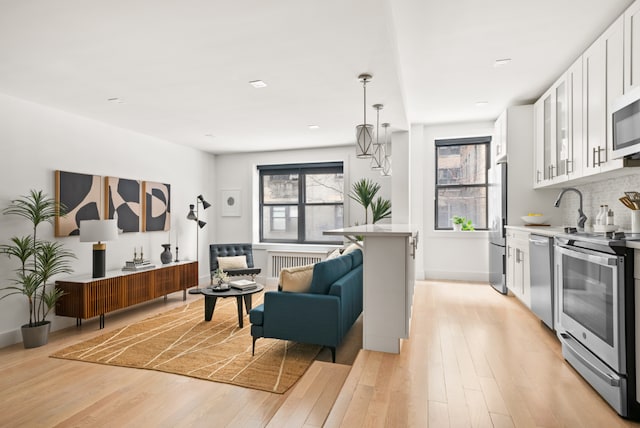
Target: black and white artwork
x,y
79,197
230,203
123,202
156,206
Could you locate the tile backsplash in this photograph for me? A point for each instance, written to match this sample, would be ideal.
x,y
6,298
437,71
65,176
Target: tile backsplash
x,y
606,191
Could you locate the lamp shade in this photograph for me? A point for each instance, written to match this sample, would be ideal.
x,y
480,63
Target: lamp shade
x,y
98,230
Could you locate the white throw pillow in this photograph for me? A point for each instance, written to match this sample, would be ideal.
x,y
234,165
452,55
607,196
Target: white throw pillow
x,y
234,262
296,279
351,248
332,255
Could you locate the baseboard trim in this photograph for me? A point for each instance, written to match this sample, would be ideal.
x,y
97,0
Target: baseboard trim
x,y
9,338
457,276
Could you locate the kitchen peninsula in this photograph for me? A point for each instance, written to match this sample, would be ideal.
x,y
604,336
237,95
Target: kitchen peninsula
x,y
389,253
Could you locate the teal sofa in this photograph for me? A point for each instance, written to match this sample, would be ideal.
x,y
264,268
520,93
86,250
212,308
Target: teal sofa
x,y
324,315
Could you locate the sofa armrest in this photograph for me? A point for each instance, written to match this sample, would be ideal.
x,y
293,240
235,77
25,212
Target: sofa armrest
x,y
302,317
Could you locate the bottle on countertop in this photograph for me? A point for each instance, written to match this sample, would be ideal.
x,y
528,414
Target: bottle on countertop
x,y
600,215
610,218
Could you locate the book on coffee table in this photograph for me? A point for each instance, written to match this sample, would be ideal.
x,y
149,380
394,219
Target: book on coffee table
x,y
242,284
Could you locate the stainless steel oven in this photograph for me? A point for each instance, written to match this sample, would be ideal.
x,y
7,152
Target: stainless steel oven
x,y
594,277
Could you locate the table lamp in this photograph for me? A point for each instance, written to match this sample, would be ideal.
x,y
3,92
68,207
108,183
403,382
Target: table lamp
x,y
98,231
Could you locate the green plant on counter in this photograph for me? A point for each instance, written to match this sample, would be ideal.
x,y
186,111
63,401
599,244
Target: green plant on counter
x,y
364,192
463,222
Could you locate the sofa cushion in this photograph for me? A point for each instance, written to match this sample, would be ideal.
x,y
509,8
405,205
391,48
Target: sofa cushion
x,y
356,257
296,279
327,272
232,262
335,253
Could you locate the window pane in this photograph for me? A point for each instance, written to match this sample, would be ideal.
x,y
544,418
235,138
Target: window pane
x,y
280,222
322,217
468,202
280,188
464,164
324,188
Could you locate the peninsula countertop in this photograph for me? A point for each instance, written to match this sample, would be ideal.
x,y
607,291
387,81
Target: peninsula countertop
x,y
392,229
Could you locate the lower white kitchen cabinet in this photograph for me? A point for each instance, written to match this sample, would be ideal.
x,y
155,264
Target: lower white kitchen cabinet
x,y
518,266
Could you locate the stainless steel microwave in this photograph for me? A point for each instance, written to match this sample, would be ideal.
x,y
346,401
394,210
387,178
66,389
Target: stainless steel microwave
x,y
626,125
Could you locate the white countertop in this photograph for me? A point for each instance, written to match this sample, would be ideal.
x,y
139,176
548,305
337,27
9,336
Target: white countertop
x,y
86,278
375,230
538,230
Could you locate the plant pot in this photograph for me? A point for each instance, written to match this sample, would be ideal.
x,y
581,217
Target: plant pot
x,y
32,337
457,227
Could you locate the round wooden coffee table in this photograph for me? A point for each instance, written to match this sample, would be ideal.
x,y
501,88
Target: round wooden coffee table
x,y
211,296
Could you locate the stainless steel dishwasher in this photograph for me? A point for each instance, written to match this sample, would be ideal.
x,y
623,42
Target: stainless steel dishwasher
x,y
541,267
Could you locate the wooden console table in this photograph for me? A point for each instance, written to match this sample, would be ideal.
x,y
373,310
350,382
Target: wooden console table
x,y
86,297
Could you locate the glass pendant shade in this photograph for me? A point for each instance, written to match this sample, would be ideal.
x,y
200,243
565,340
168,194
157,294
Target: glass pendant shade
x,y
364,138
377,157
386,166
386,160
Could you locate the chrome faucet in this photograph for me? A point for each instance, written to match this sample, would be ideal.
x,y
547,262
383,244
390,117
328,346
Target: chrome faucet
x,y
581,217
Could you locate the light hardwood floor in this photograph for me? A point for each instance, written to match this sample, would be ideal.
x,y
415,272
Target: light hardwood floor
x,y
475,358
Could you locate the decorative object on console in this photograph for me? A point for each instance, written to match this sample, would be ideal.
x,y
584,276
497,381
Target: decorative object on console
x,y
39,260
364,131
166,256
230,201
122,201
195,216
221,276
98,231
79,194
156,206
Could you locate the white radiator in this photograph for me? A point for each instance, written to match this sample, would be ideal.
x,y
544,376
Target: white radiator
x,y
279,260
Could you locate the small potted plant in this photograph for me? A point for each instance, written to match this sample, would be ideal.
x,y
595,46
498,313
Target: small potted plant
x,y
461,223
221,276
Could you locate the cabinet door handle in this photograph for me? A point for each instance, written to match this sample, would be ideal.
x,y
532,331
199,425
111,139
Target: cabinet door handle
x,y
551,168
593,157
537,176
567,162
597,150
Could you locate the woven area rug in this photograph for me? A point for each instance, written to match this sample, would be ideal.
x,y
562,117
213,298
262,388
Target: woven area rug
x,y
181,342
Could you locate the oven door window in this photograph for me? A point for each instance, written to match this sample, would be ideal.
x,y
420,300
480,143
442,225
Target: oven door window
x,y
587,295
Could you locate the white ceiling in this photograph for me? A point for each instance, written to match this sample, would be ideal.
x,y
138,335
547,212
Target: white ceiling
x,y
182,67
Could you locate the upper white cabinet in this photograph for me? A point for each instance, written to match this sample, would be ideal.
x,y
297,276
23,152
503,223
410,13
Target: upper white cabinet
x,y
573,127
632,47
558,129
603,75
499,141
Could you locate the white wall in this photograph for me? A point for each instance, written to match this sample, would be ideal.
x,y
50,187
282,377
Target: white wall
x,y
36,140
448,254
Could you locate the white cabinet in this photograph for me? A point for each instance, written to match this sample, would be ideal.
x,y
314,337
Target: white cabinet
x,y
558,130
603,83
499,141
632,47
518,266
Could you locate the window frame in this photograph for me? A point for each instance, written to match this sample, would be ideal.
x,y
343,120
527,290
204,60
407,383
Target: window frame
x,y
448,142
302,170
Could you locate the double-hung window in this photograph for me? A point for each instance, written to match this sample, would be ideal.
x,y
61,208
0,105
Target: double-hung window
x,y
299,201
461,181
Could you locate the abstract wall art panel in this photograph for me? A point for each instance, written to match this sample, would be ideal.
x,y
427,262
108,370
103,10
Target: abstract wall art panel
x,y
79,194
122,201
156,206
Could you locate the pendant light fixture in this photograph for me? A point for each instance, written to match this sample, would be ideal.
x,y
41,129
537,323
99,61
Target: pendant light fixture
x,y
364,131
377,157
386,162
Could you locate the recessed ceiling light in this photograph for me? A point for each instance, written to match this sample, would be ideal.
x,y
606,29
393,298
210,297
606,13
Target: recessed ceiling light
x,y
258,84
314,126
502,61
115,100
481,103
209,135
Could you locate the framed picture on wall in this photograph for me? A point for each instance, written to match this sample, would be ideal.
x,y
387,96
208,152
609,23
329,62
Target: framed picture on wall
x,y
79,195
122,201
156,206
230,203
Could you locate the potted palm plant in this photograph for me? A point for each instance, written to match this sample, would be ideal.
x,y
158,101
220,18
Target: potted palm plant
x,y
364,192
38,261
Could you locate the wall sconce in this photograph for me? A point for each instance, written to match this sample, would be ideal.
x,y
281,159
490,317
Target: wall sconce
x,y
98,231
195,216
